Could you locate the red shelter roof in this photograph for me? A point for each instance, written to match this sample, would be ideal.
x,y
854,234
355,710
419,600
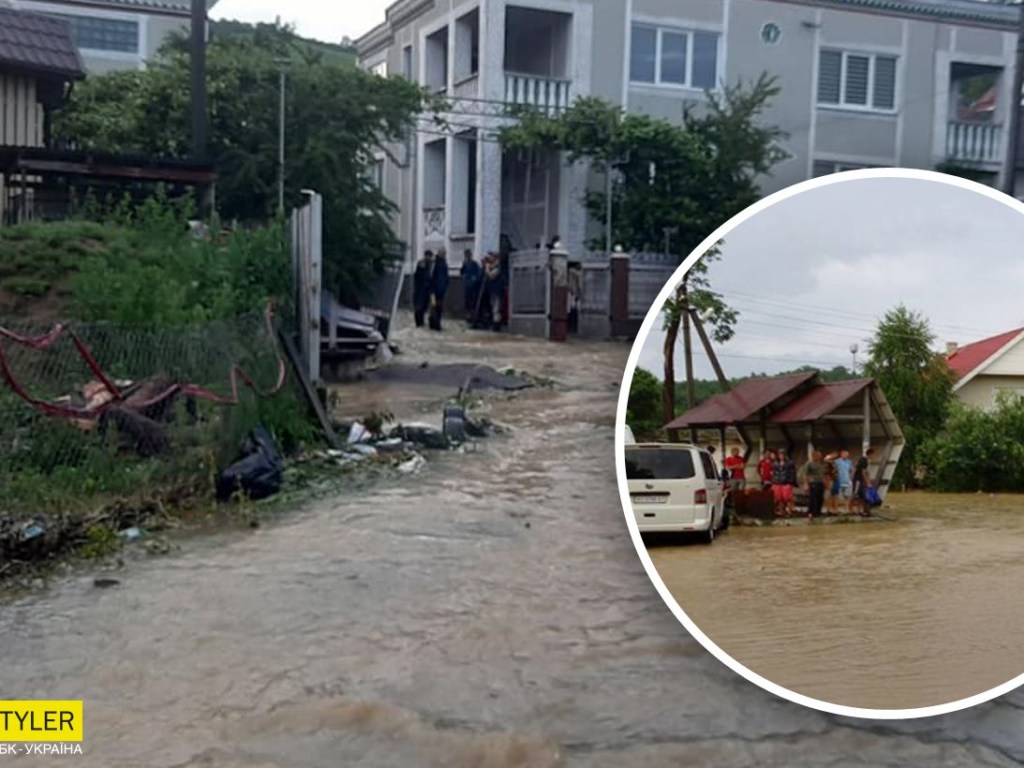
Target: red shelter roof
x,y
820,401
742,403
970,356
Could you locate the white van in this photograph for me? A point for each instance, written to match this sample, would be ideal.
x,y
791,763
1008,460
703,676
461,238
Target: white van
x,y
675,488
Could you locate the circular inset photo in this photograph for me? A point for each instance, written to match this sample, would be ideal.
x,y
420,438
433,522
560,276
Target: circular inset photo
x,y
820,444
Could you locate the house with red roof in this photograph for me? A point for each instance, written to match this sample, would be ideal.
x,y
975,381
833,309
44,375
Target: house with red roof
x,y
987,368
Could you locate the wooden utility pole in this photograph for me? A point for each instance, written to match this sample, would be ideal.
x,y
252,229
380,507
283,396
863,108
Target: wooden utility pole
x,y
691,391
723,382
199,109
1013,129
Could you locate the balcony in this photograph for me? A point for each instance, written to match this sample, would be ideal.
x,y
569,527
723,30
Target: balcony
x,y
545,93
977,142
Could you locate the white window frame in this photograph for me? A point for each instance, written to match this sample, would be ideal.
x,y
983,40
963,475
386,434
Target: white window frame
x,y
660,30
67,9
872,57
380,69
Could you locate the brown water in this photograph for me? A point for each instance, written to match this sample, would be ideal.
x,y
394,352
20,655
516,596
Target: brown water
x,y
925,610
422,623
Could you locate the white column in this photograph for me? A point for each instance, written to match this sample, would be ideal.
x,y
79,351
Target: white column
x,y
489,158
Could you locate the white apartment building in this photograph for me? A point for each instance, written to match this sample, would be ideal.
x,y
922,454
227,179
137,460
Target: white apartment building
x,y
865,83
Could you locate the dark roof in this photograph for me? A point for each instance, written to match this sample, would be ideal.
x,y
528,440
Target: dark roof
x,y
820,401
52,162
952,11
743,402
38,44
967,358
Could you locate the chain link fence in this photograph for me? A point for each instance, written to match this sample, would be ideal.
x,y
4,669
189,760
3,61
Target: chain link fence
x,y
186,399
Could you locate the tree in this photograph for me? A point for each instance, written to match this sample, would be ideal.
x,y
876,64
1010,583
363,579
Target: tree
x,y
978,450
643,410
686,179
917,381
337,118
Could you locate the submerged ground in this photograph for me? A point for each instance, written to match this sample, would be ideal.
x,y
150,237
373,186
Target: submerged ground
x,y
490,611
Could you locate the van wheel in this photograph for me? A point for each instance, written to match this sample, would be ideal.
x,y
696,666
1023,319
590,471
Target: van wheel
x,y
709,535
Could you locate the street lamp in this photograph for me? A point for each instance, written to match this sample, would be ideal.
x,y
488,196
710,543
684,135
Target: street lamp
x,y
854,349
282,63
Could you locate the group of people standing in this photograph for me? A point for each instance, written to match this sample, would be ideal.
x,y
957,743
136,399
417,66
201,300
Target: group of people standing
x,y
483,288
829,481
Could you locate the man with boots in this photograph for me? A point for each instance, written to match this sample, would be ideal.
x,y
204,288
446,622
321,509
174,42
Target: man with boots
x,y
438,289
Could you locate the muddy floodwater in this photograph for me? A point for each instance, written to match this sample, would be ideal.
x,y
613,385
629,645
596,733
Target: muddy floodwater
x,y
490,612
925,609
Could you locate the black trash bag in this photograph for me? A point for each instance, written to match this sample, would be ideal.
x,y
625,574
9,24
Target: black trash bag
x,y
258,474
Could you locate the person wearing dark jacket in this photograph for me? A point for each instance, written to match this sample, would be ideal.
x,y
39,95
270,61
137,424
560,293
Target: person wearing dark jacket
x,y
421,287
438,289
472,277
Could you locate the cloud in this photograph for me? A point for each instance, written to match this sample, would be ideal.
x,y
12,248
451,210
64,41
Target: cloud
x,y
813,274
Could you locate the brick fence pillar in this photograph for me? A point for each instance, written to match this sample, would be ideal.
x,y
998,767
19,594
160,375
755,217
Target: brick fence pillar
x,y
620,325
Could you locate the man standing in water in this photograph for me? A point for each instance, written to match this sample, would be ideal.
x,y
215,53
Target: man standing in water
x,y
421,287
783,482
862,481
844,477
814,473
494,288
764,470
737,472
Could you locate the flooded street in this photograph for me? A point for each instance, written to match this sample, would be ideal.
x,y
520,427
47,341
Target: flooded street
x,y
490,612
924,610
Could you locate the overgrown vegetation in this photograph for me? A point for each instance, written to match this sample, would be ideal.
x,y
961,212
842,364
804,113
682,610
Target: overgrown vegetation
x,y
978,450
148,299
338,119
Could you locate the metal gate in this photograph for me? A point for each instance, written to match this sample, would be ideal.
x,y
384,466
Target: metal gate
x,y
529,294
595,301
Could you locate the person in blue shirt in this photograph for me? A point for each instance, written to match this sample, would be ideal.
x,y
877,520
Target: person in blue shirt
x,y
472,278
438,289
844,478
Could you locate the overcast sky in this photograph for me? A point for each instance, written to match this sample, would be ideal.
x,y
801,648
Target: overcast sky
x,y
812,275
318,19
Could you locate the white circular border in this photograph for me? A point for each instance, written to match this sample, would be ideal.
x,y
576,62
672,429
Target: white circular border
x,y
620,454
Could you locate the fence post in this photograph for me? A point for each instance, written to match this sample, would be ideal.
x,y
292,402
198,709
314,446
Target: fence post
x,y
558,262
620,295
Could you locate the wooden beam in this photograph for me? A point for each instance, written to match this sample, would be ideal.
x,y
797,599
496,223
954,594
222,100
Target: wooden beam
x,y
312,396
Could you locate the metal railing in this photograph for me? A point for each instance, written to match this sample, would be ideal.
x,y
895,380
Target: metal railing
x,y
974,142
546,93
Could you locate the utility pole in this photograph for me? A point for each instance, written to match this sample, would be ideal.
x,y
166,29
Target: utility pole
x,y
1013,132
608,209
199,107
282,64
691,389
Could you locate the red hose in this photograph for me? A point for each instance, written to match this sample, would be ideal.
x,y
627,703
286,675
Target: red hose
x,y
44,342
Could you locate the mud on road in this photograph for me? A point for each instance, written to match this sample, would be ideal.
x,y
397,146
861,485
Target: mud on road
x,y
488,612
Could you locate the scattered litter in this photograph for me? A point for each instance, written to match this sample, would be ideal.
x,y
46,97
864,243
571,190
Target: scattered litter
x,y
390,445
413,465
258,474
358,434
157,547
131,534
334,453
105,583
423,435
454,428
32,530
364,450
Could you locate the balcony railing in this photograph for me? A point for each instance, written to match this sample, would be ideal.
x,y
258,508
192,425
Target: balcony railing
x,y
545,93
974,142
434,223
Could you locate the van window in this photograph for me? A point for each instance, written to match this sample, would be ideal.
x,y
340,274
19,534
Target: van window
x,y
659,464
710,473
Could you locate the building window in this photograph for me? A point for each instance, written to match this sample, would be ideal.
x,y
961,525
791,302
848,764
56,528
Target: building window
x,y
828,167
379,69
407,62
375,172
857,80
101,34
674,57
